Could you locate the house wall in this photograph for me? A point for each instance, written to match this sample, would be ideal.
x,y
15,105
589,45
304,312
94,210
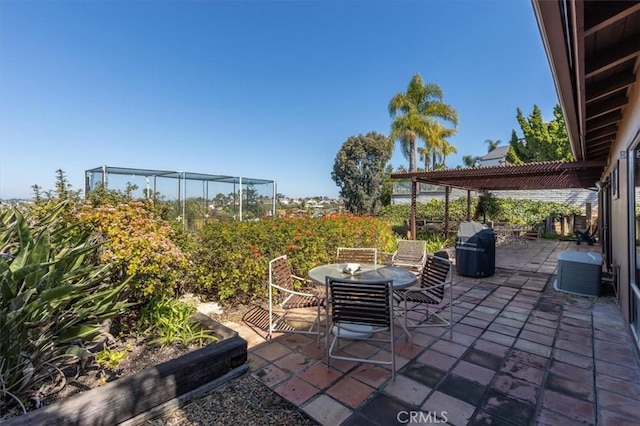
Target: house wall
x,y
494,162
628,134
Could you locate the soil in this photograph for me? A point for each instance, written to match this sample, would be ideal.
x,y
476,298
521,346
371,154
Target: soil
x,y
142,353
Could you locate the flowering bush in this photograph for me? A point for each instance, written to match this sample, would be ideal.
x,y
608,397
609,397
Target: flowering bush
x,y
140,244
232,258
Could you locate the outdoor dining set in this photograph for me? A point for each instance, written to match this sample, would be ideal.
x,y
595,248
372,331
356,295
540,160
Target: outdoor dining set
x,y
357,298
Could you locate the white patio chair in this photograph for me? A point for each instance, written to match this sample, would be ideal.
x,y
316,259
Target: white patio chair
x,y
410,254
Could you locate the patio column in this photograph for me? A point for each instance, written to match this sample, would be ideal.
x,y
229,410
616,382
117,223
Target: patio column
x,y
468,205
446,211
414,186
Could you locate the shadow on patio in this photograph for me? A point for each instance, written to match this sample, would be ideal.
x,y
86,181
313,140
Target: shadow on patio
x,y
521,353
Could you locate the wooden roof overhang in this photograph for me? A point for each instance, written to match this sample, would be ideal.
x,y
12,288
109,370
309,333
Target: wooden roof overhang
x,y
593,49
547,175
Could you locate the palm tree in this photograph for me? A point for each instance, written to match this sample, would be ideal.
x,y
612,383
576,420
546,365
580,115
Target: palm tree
x,y
446,151
470,160
491,144
415,115
425,155
437,147
441,148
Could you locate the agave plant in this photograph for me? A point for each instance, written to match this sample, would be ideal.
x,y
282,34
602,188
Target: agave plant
x,y
53,298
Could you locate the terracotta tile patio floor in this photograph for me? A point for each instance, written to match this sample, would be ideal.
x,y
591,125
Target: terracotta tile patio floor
x,y
521,353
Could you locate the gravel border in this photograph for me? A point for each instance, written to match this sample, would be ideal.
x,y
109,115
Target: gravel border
x,y
241,401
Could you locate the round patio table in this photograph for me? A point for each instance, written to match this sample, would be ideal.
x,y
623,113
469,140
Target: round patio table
x,y
402,278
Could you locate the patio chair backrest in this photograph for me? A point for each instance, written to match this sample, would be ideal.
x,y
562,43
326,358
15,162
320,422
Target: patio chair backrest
x,y
410,253
358,302
280,274
357,255
436,272
413,248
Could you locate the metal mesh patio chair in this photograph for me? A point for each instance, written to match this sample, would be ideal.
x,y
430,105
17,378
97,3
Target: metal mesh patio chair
x,y
357,255
432,299
284,296
358,310
410,254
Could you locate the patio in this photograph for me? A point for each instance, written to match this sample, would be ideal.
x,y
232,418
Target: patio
x,y
521,353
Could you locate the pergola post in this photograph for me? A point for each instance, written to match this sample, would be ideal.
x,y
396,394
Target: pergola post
x,y
468,205
446,211
414,186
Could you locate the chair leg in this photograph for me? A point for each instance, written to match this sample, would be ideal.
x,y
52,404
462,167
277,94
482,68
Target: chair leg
x,y
404,324
327,345
318,327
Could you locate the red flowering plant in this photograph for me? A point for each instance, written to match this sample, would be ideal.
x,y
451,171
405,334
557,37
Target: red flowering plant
x,y
231,259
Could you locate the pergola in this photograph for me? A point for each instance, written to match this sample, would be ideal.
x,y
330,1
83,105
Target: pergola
x,y
546,175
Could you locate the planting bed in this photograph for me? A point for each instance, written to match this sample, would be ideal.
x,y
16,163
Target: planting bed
x,y
151,389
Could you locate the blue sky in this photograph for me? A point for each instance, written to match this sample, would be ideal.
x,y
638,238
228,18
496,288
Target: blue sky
x,y
261,89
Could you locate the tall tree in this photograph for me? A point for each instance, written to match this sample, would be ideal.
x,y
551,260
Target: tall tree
x,y
415,115
437,148
491,144
359,171
442,155
425,155
542,141
470,160
387,186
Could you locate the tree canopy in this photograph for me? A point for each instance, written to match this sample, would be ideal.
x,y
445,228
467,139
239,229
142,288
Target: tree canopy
x,y
437,148
470,160
359,171
416,114
492,144
542,141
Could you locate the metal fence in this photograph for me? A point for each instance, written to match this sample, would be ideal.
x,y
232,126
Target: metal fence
x,y
190,198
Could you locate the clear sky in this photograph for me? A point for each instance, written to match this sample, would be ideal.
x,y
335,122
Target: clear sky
x,y
262,89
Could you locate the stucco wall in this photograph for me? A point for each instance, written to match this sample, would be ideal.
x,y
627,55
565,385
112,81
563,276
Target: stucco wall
x,y
620,229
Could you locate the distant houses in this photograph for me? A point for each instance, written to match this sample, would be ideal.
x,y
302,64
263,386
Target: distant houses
x,y
496,157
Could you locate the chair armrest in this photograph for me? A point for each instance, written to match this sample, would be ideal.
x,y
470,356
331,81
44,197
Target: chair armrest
x,y
299,293
304,280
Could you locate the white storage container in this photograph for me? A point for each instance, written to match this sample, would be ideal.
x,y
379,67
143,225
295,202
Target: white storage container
x,y
579,273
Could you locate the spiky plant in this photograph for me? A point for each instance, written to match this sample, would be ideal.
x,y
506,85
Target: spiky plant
x,y
53,298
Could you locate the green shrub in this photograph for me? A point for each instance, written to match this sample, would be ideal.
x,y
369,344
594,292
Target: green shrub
x,y
524,212
231,259
109,358
171,322
139,244
432,210
52,298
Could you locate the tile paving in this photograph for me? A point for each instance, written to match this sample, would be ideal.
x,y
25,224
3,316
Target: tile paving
x,y
521,353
